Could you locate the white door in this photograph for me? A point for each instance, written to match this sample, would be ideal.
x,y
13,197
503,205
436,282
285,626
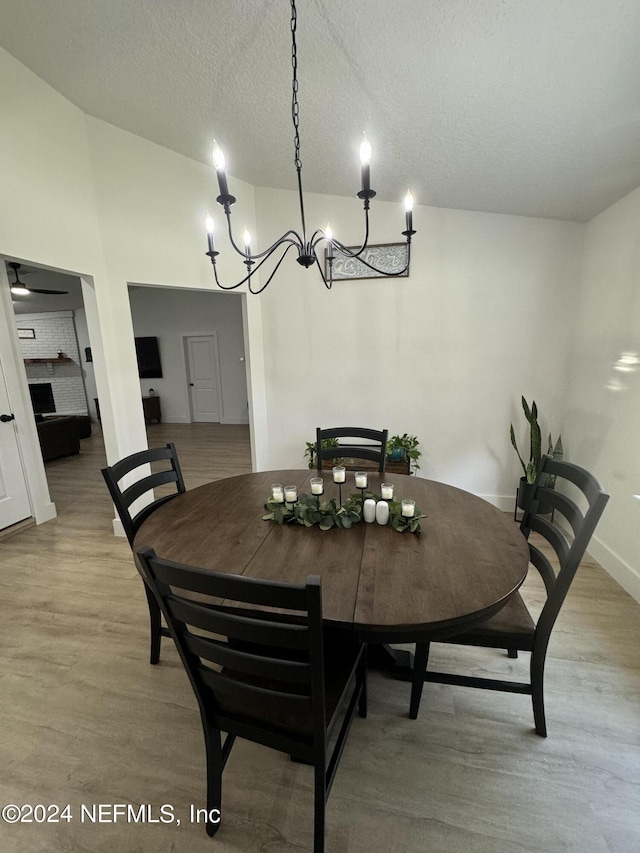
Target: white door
x,y
203,374
14,497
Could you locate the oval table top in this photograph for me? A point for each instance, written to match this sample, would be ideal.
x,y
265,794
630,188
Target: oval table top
x,y
388,586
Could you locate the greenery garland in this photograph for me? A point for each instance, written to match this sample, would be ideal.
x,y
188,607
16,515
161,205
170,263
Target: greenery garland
x,y
309,511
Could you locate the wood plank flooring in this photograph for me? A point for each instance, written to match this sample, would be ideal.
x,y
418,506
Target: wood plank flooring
x,y
86,720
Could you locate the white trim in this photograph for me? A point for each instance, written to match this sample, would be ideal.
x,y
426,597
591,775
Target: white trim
x,y
234,420
505,503
118,529
614,565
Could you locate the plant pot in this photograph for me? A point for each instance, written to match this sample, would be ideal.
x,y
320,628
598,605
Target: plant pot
x,y
523,496
396,455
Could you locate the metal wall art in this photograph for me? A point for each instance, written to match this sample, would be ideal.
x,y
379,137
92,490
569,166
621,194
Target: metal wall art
x,y
387,258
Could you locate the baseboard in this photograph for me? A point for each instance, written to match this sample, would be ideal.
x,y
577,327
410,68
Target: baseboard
x,y
505,503
46,513
620,571
234,420
176,420
118,529
8,532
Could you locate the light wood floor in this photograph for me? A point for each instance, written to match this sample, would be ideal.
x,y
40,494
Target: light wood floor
x,y
86,720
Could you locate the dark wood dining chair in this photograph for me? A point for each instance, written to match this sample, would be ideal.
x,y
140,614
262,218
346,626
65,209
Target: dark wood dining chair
x,y
258,674
351,447
125,496
576,504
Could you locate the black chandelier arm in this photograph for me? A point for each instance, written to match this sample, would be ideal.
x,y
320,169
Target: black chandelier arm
x,y
329,283
251,273
273,272
317,237
349,252
290,236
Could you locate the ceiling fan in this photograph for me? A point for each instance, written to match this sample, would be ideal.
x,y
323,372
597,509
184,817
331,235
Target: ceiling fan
x,y
19,288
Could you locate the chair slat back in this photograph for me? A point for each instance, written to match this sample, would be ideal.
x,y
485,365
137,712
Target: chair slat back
x,y
568,545
375,450
124,497
241,655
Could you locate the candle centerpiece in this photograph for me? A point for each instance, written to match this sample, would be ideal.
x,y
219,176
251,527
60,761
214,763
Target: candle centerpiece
x,y
286,506
339,476
317,488
408,508
290,494
386,491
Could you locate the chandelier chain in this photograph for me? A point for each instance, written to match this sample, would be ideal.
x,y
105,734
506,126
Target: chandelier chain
x,y
295,109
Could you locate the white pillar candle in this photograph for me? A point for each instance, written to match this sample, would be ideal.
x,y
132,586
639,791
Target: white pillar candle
x,y
382,512
317,486
408,508
277,492
361,480
291,494
386,490
369,510
339,474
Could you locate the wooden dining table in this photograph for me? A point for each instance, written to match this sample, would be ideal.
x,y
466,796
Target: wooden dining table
x,y
386,586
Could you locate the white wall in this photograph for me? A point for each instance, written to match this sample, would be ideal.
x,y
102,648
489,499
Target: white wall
x,y
603,409
81,196
170,314
88,373
55,332
444,354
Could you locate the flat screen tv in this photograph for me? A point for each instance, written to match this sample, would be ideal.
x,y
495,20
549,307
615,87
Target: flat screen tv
x,y
148,354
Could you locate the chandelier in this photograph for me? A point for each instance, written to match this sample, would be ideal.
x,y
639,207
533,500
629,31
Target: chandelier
x,y
306,248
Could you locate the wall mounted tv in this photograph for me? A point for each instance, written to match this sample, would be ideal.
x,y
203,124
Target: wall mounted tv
x,y
148,354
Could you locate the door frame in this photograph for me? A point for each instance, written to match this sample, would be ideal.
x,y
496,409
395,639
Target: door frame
x,y
216,356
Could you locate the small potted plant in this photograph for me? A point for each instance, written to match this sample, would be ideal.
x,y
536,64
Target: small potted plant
x,y
310,451
535,455
404,446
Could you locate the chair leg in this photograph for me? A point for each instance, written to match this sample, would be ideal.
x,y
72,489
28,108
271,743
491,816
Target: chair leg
x,y
155,625
362,704
213,748
420,662
537,694
320,801
513,653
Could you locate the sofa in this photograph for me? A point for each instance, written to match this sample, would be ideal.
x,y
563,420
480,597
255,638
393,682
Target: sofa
x,y
59,436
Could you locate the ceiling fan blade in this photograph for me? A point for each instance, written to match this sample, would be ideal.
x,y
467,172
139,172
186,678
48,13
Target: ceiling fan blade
x,y
53,292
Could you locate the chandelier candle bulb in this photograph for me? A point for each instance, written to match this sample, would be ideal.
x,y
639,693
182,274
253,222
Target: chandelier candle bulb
x,y
219,163
339,474
382,512
246,237
209,224
365,160
361,480
277,492
291,494
369,510
317,486
408,508
386,490
408,207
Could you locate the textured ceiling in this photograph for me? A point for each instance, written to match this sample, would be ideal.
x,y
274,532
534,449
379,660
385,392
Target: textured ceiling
x,y
514,106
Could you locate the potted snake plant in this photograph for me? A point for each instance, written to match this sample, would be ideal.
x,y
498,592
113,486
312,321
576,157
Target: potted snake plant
x,y
531,467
